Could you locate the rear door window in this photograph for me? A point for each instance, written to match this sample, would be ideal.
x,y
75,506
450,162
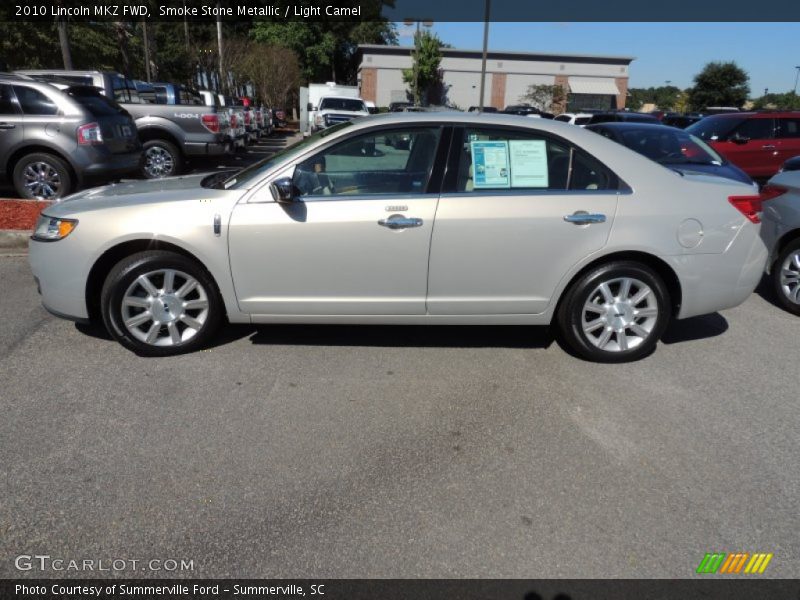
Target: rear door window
x,y
501,159
34,102
789,128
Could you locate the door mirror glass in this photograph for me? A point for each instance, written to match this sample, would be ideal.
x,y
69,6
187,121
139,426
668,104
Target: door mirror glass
x,y
283,190
738,138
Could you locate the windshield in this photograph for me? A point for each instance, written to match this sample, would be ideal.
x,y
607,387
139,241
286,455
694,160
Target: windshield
x,y
351,105
671,147
252,173
713,129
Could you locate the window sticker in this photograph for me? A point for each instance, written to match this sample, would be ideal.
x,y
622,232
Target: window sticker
x,y
528,163
490,164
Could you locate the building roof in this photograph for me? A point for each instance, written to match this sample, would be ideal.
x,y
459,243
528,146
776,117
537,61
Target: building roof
x,y
503,55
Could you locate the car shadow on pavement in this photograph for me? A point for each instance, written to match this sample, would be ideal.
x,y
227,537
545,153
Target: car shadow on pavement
x,y
695,328
405,336
767,292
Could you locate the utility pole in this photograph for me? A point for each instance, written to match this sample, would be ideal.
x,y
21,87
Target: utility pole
x,y
146,51
795,80
222,75
186,26
66,55
485,49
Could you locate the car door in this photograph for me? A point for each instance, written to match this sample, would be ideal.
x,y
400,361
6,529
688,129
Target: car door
x,y
357,238
788,132
752,147
12,130
518,210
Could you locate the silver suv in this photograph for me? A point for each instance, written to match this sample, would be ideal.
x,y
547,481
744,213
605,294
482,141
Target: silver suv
x,y
54,142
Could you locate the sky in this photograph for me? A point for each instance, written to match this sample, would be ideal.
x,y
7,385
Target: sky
x,y
674,52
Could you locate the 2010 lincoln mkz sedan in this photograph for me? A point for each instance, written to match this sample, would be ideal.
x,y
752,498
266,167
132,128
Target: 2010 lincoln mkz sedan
x,y
416,218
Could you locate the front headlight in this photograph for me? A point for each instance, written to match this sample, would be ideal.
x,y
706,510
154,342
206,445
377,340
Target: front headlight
x,y
51,229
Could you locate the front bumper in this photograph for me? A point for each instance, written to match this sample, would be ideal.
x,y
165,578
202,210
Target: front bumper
x,y
61,273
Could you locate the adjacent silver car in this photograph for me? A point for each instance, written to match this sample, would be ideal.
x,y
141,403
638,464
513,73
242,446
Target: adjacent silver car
x,y
487,219
781,232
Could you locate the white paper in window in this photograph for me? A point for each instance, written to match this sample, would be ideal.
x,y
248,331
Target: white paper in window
x,y
528,163
490,164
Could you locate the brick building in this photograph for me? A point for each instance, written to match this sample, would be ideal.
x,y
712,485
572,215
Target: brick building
x,y
590,81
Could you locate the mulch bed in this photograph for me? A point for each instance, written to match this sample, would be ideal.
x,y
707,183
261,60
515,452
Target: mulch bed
x,y
20,214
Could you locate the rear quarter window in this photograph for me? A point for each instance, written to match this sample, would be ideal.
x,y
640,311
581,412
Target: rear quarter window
x,y
34,102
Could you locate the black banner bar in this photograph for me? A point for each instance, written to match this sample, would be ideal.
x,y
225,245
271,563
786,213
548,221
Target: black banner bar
x,y
735,588
399,10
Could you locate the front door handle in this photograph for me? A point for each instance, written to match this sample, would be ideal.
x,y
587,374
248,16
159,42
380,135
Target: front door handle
x,y
769,146
583,218
7,125
400,222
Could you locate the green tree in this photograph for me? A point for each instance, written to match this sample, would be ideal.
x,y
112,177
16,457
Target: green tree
x,y
665,97
719,84
546,97
424,73
787,101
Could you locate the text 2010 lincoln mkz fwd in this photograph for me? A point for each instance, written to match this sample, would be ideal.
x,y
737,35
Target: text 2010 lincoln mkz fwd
x,y
421,218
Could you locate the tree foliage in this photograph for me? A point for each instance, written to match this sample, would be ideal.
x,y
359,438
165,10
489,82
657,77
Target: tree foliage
x,y
665,97
719,84
545,97
787,101
424,73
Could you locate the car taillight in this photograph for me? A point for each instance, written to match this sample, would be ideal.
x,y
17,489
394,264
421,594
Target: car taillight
x,y
211,122
750,206
89,134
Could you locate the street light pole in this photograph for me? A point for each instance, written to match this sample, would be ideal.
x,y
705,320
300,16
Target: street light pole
x,y
485,49
795,79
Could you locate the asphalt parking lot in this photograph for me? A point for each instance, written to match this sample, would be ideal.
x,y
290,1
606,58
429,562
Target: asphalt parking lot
x,y
337,451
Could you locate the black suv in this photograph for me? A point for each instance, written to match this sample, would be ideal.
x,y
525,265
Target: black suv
x,y
622,116
53,142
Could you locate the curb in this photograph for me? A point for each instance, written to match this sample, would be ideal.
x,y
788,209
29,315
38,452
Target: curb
x,y
13,241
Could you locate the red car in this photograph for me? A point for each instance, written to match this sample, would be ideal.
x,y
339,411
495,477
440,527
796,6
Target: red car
x,y
756,142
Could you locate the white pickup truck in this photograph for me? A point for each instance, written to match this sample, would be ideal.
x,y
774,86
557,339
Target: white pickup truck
x,y
337,109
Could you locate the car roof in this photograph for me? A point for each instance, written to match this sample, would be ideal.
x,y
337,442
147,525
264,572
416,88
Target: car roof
x,y
632,125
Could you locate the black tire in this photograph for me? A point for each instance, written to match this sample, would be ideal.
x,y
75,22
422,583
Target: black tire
x,y
124,278
160,159
787,297
621,315
50,167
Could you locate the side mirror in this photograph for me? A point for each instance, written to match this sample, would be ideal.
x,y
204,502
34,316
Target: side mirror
x,y
283,190
739,139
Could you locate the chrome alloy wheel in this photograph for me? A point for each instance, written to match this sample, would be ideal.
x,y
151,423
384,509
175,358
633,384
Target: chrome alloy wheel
x,y
158,162
790,277
619,314
42,180
164,307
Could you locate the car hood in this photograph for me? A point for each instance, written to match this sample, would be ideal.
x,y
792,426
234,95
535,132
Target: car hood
x,y
137,193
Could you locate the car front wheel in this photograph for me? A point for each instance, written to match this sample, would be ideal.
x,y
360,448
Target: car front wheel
x,y
615,313
159,303
786,278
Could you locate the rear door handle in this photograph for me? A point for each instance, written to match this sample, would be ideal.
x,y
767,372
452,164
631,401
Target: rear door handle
x,y
400,222
583,218
7,125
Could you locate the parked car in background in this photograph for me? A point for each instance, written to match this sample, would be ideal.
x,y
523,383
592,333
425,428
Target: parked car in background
x,y
279,117
486,109
533,223
338,109
673,148
237,132
399,106
174,93
793,164
170,136
781,232
622,116
757,142
146,91
580,119
54,142
681,121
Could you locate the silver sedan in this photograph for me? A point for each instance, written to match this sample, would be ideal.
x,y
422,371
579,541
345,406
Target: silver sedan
x,y
781,232
426,218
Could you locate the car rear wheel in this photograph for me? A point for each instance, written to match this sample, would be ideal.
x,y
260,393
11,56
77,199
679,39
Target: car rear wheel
x,y
786,277
42,176
615,313
161,159
159,303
